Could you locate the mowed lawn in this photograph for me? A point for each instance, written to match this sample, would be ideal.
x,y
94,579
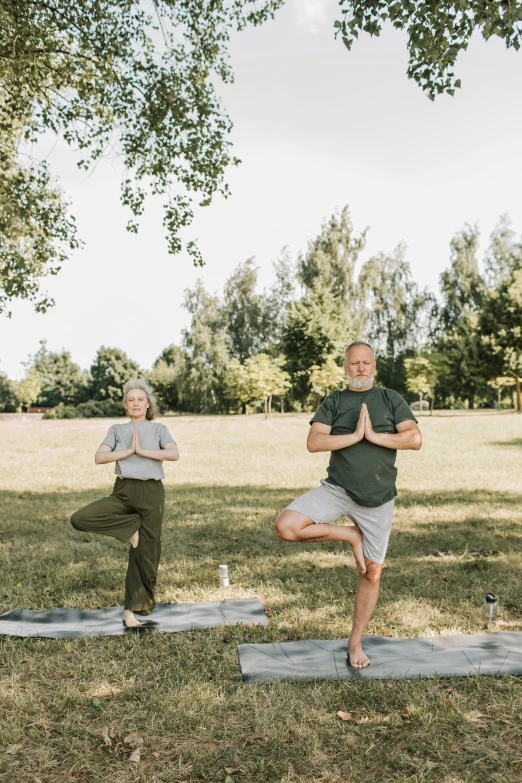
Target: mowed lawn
x,y
457,534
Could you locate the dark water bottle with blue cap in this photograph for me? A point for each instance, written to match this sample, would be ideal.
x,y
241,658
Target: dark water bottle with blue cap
x,y
490,608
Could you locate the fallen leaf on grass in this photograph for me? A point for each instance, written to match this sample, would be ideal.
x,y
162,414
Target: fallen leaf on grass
x,y
13,748
363,720
106,737
232,770
476,717
344,715
134,740
384,632
156,754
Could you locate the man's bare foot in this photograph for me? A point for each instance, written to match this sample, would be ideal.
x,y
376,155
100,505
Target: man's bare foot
x,y
134,540
130,620
356,657
356,542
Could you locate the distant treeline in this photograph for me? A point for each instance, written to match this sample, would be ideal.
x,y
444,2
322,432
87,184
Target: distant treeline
x,y
459,348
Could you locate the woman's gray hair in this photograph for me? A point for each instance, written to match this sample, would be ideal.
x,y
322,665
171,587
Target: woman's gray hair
x,y
358,342
141,383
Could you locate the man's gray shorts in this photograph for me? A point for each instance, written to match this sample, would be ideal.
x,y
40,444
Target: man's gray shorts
x,y
328,503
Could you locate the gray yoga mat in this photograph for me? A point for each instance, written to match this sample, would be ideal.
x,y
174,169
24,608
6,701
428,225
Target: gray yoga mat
x,y
443,656
71,623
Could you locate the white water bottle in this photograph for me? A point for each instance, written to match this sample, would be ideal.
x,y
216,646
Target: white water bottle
x,y
223,576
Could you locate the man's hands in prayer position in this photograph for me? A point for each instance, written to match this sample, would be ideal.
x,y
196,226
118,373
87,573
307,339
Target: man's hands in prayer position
x,y
408,435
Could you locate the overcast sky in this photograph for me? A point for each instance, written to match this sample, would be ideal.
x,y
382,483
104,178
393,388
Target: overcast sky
x,y
316,127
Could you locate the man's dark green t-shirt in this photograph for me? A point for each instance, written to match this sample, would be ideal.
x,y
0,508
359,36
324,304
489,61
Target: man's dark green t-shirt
x,y
366,471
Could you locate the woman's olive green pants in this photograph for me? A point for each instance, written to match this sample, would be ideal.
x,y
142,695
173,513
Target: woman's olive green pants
x,y
133,505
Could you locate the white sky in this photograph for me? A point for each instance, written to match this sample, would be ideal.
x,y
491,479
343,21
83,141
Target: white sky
x,y
316,127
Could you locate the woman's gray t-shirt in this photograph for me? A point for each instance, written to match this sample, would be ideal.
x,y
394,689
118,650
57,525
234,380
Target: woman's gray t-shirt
x,y
153,436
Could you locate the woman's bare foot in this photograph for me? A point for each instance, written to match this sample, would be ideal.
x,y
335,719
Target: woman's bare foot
x,y
356,656
135,539
130,620
356,542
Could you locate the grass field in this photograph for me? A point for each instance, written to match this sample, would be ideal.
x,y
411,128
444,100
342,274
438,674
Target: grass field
x,y
457,534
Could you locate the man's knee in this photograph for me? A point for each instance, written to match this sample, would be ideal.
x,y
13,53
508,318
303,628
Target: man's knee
x,y
284,528
373,573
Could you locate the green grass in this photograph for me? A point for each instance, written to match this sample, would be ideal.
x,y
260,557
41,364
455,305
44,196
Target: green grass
x,y
457,534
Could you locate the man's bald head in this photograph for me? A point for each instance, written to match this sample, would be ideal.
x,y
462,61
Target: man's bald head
x,y
359,365
354,344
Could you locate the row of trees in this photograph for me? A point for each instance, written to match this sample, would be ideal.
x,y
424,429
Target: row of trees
x,y
461,348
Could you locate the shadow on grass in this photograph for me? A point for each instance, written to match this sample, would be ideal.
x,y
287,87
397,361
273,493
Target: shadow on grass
x,y
515,442
46,563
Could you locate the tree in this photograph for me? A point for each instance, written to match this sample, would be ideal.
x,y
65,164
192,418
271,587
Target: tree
x,y
36,233
267,378
420,376
317,327
260,377
504,254
279,297
499,384
330,260
167,377
8,399
501,331
239,383
397,313
437,32
109,372
61,379
27,390
206,345
246,313
329,314
326,377
127,80
457,336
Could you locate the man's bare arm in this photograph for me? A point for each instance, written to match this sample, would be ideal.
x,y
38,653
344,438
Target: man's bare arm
x,y
408,436
319,438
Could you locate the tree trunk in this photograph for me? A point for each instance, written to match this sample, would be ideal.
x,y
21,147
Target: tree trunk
x,y
432,405
266,407
498,399
519,401
270,406
420,403
282,404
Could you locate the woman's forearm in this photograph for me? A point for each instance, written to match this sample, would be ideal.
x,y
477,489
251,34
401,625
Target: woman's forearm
x,y
102,458
159,454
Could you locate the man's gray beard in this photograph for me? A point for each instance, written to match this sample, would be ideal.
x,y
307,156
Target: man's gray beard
x,y
363,384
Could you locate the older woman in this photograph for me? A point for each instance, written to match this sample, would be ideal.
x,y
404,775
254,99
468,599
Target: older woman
x,y
134,510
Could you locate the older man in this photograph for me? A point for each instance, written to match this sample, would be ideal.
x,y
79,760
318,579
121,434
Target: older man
x,y
362,426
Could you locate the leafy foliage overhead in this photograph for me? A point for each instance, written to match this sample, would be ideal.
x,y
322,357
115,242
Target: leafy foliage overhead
x,y
437,32
115,79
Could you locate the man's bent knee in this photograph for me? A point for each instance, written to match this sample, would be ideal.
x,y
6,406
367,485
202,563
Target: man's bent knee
x,y
373,573
286,528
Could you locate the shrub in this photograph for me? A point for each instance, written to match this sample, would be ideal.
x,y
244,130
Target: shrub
x,y
93,409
